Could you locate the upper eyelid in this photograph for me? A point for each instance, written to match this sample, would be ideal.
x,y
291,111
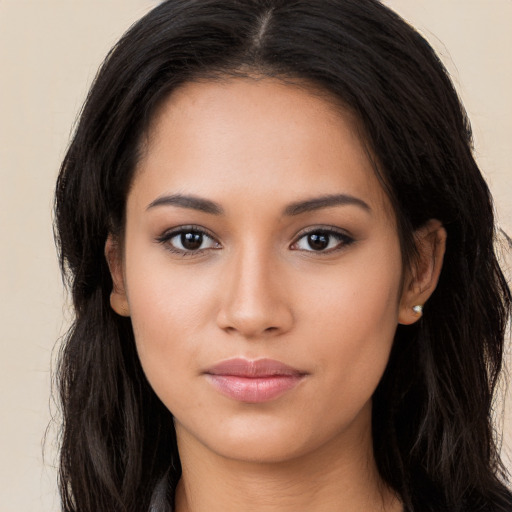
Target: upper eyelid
x,y
172,232
326,229
303,231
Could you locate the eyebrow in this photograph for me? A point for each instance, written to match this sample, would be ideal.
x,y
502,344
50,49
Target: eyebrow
x,y
186,201
326,201
296,208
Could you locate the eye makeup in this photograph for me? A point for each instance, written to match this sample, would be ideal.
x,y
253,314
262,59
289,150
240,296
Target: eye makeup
x,y
193,240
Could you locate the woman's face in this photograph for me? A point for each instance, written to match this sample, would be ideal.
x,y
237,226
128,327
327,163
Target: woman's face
x,y
261,268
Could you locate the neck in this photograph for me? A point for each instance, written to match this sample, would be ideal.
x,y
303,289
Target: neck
x,y
339,476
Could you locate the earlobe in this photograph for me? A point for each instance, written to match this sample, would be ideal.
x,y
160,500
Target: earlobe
x,y
423,276
118,298
119,304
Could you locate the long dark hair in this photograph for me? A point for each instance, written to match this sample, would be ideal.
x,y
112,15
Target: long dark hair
x,y
433,436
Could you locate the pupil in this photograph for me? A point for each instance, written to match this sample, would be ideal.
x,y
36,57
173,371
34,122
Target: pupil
x,y
191,241
318,241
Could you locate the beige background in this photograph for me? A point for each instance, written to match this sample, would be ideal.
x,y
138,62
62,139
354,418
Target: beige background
x,y
49,53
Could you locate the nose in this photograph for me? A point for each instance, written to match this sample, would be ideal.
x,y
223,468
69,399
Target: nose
x,y
255,303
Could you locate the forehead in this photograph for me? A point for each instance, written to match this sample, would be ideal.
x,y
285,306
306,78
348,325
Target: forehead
x,y
256,137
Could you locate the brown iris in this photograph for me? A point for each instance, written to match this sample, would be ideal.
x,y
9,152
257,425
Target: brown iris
x,y
191,241
318,241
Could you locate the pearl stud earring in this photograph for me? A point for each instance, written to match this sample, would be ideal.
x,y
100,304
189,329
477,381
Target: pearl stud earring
x,y
418,309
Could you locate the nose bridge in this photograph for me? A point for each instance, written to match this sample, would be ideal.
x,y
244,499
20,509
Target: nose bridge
x,y
254,303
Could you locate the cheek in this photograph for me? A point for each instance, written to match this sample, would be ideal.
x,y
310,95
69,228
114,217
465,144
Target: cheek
x,y
353,320
169,313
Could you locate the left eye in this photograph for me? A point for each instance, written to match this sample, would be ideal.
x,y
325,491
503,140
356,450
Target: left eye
x,y
189,241
322,241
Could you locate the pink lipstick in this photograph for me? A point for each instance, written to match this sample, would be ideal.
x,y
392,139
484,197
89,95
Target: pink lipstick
x,y
253,381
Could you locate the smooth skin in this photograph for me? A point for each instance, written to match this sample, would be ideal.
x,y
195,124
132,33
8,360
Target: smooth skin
x,y
256,228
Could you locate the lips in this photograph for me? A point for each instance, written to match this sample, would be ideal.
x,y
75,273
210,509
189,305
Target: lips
x,y
253,381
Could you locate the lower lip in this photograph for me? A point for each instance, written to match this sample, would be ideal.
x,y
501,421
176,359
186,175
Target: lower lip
x,y
254,389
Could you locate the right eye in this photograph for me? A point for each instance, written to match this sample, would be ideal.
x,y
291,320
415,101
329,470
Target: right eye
x,y
188,241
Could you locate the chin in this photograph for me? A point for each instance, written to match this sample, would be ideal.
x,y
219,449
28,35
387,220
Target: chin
x,y
263,449
265,439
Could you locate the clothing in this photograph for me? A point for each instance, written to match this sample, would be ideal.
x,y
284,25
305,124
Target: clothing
x,y
160,499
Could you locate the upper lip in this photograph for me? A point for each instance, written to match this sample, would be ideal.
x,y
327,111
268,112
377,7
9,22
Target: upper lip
x,y
240,367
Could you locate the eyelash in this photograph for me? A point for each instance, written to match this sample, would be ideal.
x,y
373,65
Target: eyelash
x,y
343,239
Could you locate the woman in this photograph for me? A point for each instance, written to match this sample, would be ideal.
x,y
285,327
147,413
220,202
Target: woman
x,y
280,250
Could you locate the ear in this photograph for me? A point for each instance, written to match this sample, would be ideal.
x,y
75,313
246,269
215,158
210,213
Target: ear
x,y
114,257
421,279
